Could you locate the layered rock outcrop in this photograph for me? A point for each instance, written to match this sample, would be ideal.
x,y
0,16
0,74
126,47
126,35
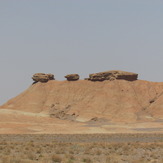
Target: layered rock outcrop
x,y
41,77
72,77
112,75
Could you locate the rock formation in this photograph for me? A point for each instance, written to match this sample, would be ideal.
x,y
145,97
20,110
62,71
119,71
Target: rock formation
x,y
72,77
112,75
117,100
94,107
41,77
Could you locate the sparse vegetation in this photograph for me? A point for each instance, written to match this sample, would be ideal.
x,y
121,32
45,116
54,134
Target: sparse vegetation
x,y
101,148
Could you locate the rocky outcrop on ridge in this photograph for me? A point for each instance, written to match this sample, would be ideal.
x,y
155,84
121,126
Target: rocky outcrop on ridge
x,y
112,75
41,77
72,77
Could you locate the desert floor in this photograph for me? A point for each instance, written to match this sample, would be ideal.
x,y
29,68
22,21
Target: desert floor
x,y
78,148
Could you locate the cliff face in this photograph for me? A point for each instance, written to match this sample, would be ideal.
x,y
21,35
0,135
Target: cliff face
x,y
117,100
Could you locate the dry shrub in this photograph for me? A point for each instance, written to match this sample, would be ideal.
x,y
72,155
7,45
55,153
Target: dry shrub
x,y
56,158
5,159
31,155
87,160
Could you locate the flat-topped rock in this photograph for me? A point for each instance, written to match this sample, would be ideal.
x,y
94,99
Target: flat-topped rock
x,y
112,75
72,77
41,77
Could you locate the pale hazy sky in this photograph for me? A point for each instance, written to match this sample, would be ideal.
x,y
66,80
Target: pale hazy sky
x,y
78,36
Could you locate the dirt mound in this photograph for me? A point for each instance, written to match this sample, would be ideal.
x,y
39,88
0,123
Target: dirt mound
x,y
116,101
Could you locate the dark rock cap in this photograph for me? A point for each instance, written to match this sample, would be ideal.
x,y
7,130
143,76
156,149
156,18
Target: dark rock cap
x,y
112,75
41,77
72,77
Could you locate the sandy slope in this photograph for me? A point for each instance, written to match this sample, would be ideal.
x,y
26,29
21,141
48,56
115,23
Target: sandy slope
x,y
121,106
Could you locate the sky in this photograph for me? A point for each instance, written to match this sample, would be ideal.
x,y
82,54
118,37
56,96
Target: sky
x,y
78,36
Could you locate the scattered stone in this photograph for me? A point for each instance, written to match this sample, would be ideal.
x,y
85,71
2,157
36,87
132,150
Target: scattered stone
x,y
94,119
61,112
72,77
41,77
97,119
112,75
50,76
151,101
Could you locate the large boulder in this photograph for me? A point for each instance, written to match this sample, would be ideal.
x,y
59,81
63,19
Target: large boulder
x,y
41,77
72,77
112,75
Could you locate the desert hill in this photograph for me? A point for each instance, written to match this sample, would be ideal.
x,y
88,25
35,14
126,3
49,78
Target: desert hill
x,y
117,100
107,102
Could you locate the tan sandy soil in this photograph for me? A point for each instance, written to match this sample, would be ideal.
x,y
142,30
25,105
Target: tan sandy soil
x,y
67,107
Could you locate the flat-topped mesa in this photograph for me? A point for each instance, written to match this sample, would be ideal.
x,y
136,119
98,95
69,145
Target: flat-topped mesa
x,y
41,77
112,75
72,77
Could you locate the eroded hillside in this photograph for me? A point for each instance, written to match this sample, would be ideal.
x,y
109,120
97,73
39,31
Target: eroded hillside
x,y
118,100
